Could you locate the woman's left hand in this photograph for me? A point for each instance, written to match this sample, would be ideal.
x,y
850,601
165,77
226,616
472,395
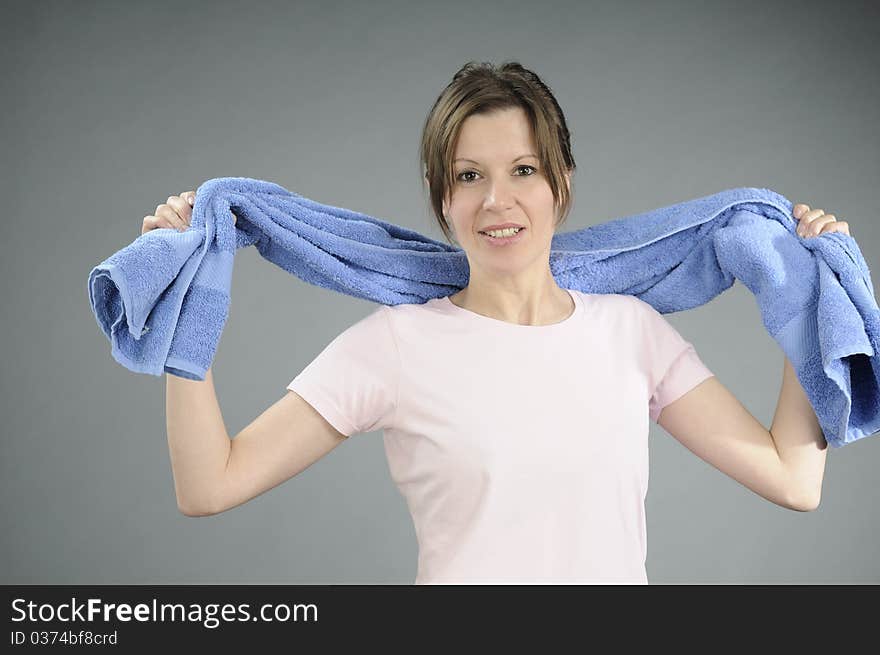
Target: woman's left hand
x,y
813,222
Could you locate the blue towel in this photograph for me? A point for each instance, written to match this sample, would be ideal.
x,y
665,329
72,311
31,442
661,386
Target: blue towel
x,y
163,300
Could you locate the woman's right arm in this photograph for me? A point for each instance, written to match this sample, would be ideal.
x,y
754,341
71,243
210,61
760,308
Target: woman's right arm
x,y
213,473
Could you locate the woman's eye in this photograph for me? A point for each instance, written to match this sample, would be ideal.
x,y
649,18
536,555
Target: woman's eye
x,y
463,173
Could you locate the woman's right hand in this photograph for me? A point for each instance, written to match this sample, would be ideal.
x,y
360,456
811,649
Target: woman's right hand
x,y
175,213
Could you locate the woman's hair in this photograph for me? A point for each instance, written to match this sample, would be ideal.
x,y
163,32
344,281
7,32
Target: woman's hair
x,y
482,88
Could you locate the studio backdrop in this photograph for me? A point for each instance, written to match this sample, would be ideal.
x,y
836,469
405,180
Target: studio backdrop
x,y
113,107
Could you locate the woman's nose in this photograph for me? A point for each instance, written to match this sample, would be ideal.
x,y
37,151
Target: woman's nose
x,y
498,195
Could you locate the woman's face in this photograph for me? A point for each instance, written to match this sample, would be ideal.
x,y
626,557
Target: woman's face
x,y
497,180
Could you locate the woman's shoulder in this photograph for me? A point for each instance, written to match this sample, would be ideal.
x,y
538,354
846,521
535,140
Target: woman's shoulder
x,y
430,306
611,300
619,307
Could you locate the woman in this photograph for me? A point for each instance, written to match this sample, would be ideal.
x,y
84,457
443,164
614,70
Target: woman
x,y
514,412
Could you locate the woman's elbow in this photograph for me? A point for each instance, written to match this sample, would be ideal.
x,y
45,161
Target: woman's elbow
x,y
192,511
807,504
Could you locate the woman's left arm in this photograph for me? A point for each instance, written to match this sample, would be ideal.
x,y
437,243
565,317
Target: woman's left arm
x,y
785,464
798,437
795,428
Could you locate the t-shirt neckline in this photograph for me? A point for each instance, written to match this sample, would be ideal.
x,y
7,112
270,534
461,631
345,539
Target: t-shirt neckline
x,y
451,306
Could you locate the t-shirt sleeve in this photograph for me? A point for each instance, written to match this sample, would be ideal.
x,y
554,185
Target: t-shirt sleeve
x,y
354,381
672,364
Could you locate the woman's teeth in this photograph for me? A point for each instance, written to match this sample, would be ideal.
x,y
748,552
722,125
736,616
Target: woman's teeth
x,y
507,232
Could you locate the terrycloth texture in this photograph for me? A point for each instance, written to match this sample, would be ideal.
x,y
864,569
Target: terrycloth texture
x,y
163,300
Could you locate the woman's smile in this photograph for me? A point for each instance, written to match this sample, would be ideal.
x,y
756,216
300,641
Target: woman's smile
x,y
503,241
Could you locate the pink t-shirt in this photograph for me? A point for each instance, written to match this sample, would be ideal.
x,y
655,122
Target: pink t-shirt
x,y
521,451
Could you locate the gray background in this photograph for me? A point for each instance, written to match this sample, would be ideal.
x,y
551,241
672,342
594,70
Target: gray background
x,y
111,106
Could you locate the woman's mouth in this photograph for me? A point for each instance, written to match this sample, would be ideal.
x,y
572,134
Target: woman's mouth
x,y
504,240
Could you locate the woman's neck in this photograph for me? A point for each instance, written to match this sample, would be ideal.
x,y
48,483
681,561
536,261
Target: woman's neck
x,y
545,306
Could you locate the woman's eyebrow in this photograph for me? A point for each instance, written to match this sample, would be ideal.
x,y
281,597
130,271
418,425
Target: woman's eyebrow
x,y
517,159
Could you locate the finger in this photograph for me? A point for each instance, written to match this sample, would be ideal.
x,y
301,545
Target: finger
x,y
836,226
189,196
155,222
799,209
817,225
182,207
169,217
806,220
148,224
808,216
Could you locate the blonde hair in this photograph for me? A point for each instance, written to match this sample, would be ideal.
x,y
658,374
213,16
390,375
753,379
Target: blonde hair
x,y
483,88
